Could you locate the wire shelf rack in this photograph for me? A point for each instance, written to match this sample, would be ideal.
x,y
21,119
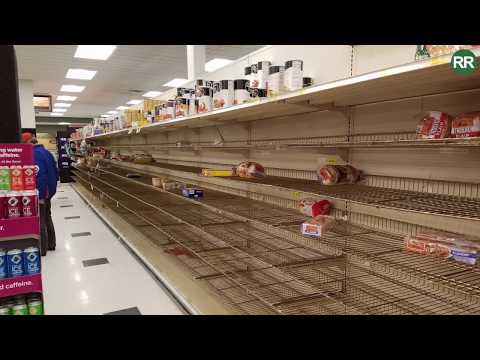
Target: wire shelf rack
x,y
258,271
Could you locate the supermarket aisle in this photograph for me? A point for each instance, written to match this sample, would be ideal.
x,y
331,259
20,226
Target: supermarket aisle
x,y
91,272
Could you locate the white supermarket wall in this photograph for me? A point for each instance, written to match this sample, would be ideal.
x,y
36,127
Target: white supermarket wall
x,y
324,63
25,95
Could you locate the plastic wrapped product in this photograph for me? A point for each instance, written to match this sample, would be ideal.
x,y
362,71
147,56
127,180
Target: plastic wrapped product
x,y
143,159
250,169
170,110
181,107
313,208
425,247
317,226
466,125
212,172
262,74
338,174
241,93
434,125
205,102
224,97
192,193
293,75
276,80
253,78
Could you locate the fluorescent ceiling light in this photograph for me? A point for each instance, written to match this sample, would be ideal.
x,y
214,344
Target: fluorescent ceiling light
x,y
59,110
112,112
152,94
66,98
64,123
80,74
216,64
175,82
72,88
134,102
122,108
60,105
105,116
56,114
94,52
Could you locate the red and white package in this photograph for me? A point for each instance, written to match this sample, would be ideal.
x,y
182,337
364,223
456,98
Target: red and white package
x,y
434,125
313,208
338,174
425,247
249,169
317,226
466,125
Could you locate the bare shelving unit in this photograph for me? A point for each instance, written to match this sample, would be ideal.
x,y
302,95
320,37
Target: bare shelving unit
x,y
243,241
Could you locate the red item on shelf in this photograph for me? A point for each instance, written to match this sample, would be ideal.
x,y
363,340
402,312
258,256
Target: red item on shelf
x,y
312,207
338,174
466,125
16,178
434,125
249,169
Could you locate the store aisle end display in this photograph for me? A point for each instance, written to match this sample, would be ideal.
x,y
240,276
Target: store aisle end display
x,y
20,261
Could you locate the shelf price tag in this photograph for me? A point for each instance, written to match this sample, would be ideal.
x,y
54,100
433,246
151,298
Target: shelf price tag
x,y
332,161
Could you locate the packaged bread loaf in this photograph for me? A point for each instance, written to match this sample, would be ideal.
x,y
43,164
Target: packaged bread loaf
x,y
466,125
434,125
313,208
338,174
249,169
317,226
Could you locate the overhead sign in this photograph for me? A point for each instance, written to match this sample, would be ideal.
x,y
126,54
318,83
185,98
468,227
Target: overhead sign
x,y
42,103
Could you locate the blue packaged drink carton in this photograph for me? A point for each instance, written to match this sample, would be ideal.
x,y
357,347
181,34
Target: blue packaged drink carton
x,y
31,260
15,263
192,193
3,264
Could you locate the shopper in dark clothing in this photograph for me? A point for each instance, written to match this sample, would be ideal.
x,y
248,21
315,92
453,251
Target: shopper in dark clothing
x,y
52,190
46,184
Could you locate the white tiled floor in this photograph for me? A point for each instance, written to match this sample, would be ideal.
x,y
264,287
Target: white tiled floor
x,y
70,288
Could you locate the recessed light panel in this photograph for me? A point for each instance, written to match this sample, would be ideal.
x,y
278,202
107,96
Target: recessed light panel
x,y
175,82
59,110
80,74
112,112
216,64
134,102
56,114
66,98
72,88
62,105
122,108
152,94
94,52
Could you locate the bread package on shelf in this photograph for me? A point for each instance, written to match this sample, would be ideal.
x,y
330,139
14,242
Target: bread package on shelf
x,y
338,174
466,125
313,208
444,244
434,125
249,169
143,159
318,225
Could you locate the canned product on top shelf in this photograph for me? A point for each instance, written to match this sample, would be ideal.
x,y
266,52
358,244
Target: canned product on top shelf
x,y
276,80
205,101
241,93
293,75
262,74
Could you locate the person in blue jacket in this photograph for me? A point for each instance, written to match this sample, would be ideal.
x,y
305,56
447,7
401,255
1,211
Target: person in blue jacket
x,y
46,178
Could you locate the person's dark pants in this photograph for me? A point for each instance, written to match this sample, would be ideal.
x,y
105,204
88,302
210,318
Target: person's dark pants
x,y
52,240
43,228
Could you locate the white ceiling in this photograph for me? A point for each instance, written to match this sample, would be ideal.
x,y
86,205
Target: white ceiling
x,y
137,67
